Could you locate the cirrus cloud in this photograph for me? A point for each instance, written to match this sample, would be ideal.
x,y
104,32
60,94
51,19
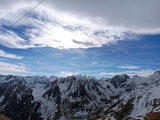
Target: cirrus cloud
x,y
8,55
129,67
8,68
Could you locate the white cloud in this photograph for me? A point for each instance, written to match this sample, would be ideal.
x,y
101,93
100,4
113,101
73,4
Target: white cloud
x,y
61,31
137,16
49,27
146,72
129,67
74,65
12,40
63,24
142,73
93,63
8,68
66,73
7,55
110,73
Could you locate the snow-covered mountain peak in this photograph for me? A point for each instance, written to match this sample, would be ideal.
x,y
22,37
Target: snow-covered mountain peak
x,y
118,80
122,76
85,77
104,78
155,76
26,79
79,97
11,78
52,78
36,79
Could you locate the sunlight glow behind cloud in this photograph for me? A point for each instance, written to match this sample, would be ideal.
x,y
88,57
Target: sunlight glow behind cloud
x,y
48,27
64,28
85,36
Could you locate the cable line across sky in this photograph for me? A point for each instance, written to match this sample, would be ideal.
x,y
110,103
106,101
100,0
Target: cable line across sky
x,y
3,31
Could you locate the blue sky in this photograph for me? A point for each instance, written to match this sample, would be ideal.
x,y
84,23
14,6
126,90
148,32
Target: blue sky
x,y
68,39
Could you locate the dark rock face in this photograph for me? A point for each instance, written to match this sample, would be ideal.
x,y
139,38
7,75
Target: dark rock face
x,y
76,97
17,103
118,80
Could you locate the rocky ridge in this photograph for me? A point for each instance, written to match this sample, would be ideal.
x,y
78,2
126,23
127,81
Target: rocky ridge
x,y
79,97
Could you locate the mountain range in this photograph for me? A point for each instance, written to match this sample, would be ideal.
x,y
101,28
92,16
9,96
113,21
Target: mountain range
x,y
80,97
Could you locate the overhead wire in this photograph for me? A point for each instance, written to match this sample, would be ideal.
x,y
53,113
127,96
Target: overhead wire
x,y
3,31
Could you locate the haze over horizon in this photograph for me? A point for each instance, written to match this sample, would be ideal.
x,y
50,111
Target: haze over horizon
x,y
65,37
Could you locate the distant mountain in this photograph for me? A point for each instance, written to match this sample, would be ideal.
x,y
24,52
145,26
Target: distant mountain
x,y
80,97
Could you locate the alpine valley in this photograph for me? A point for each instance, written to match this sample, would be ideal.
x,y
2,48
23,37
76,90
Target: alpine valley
x,y
80,97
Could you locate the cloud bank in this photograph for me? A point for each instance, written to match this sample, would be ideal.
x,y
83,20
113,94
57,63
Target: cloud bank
x,y
142,73
138,16
76,24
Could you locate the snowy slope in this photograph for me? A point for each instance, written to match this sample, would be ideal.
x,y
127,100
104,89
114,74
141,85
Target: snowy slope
x,y
79,97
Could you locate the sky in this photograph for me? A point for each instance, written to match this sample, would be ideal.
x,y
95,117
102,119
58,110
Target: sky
x,y
89,37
